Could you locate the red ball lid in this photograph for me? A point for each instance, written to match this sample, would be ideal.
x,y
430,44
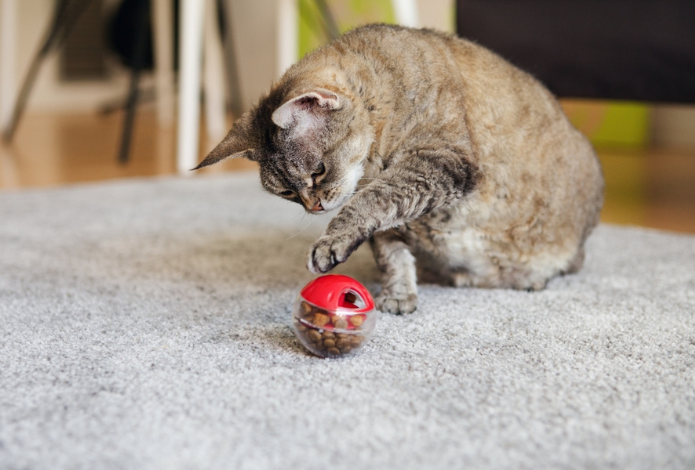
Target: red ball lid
x,y
335,291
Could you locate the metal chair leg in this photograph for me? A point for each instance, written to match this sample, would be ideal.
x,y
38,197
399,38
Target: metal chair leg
x,y
138,63
65,15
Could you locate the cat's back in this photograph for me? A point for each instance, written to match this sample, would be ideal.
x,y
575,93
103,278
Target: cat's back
x,y
393,42
402,54
412,52
420,67
539,189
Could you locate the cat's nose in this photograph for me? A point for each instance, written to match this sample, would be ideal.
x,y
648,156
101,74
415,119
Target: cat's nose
x,y
317,207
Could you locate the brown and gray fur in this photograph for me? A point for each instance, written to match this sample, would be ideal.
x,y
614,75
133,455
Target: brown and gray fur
x,y
435,149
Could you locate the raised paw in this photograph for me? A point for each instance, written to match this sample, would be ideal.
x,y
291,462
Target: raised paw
x,y
389,303
329,251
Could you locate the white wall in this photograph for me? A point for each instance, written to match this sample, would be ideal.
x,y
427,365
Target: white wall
x,y
437,14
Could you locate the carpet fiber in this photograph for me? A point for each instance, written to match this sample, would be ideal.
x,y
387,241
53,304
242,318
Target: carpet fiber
x,y
145,324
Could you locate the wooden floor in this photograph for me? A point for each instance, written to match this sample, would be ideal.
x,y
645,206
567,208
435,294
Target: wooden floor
x,y
646,187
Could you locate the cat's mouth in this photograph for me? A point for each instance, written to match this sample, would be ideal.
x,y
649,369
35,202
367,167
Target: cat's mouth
x,y
321,207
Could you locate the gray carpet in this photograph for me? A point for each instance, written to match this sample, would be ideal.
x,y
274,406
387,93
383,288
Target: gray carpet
x,y
144,324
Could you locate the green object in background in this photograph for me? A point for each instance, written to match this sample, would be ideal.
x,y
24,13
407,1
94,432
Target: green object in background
x,y
610,123
348,14
623,124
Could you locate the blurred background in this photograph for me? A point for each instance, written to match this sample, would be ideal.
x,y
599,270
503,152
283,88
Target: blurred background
x,y
101,106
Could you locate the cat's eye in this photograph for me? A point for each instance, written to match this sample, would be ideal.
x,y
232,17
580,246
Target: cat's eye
x,y
287,193
320,171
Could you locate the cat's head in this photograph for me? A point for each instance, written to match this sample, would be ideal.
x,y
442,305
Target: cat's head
x,y
310,144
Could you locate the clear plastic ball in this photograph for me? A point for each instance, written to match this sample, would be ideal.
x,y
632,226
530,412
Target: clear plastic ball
x,y
334,316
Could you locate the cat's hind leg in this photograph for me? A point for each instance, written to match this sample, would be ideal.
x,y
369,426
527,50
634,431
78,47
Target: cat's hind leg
x,y
491,273
399,278
577,262
536,278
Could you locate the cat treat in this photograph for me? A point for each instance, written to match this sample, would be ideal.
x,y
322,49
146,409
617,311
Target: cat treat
x,y
334,316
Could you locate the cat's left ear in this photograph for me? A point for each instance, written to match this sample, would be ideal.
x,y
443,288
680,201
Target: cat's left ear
x,y
308,111
241,141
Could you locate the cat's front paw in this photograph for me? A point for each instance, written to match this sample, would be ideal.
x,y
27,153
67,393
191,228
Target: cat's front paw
x,y
329,251
398,304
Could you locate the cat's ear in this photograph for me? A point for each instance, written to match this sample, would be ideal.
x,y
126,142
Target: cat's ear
x,y
241,141
308,111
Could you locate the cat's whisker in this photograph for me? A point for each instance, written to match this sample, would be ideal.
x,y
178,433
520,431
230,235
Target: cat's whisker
x,y
364,185
302,230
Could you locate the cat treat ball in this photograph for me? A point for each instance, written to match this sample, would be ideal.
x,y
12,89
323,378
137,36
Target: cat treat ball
x,y
333,316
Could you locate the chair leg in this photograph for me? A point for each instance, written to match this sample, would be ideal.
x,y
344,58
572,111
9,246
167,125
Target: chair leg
x,y
8,45
329,23
138,63
64,17
288,34
191,49
406,12
213,78
163,60
230,61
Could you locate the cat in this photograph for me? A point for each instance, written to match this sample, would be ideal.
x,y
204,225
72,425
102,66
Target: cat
x,y
435,149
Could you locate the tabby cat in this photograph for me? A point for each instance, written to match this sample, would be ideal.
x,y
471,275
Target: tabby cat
x,y
435,149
